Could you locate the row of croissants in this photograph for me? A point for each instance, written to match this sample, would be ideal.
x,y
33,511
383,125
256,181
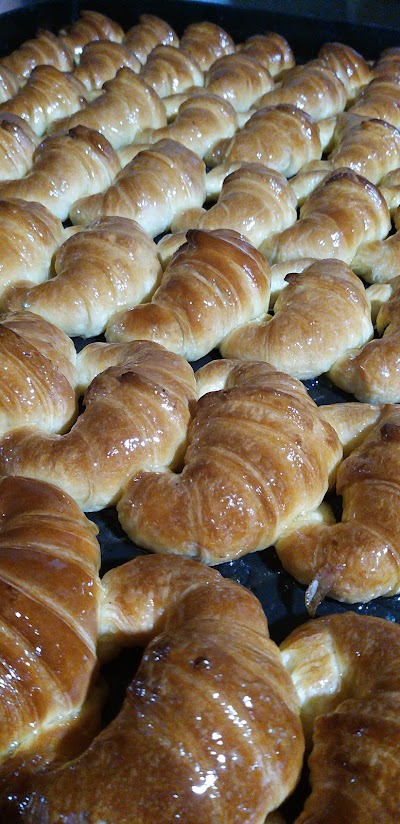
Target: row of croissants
x,y
180,200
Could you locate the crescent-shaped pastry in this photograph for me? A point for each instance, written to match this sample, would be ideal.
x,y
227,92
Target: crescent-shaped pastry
x,y
44,49
379,260
350,66
379,99
100,61
314,88
271,49
239,78
150,32
9,83
206,42
169,70
17,146
90,25
369,147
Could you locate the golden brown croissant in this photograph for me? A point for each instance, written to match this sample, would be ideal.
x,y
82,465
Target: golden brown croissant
x,y
239,78
98,271
48,95
214,282
9,83
355,559
91,25
155,187
136,415
352,69
379,99
388,63
206,42
17,145
314,88
343,212
150,32
100,61
259,454
125,107
65,168
29,236
169,70
346,672
209,730
271,49
369,147
379,260
44,49
254,200
321,314
37,374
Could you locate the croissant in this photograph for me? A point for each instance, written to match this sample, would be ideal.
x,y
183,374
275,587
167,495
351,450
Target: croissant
x,y
29,236
379,99
387,64
142,191
37,374
135,415
126,106
169,70
206,42
346,671
370,372
370,147
9,83
355,559
48,95
259,454
44,49
177,753
150,32
17,145
65,168
110,265
314,88
101,59
321,314
91,25
352,69
214,282
343,212
270,49
239,78
254,200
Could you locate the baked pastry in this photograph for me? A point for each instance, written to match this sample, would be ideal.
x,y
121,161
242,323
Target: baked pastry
x,y
90,25
142,190
254,200
350,66
135,415
271,49
343,212
321,314
9,83
44,49
355,559
214,282
379,99
369,147
17,145
169,70
239,78
150,32
314,88
101,59
239,489
173,743
125,107
346,672
29,236
98,271
206,42
65,168
379,260
37,374
47,95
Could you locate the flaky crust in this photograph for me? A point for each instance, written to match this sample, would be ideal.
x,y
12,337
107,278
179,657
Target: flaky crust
x,y
238,489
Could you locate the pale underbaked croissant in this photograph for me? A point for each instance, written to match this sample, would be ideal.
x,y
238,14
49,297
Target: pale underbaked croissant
x,y
29,236
142,191
259,454
214,282
270,49
48,95
136,414
343,212
209,730
17,146
90,25
125,106
150,32
314,88
65,168
346,672
206,42
37,374
239,78
108,266
321,314
44,49
101,59
169,70
355,559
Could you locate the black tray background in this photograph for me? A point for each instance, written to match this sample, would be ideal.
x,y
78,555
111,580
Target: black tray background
x,y
281,596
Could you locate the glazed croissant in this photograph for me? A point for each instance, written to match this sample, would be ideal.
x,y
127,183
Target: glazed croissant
x,y
136,414
355,559
176,751
369,147
65,168
379,99
142,191
101,59
206,42
37,374
90,25
352,69
150,32
259,454
17,146
321,314
379,260
270,49
9,83
44,49
169,70
346,672
239,78
98,271
214,282
29,236
314,88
